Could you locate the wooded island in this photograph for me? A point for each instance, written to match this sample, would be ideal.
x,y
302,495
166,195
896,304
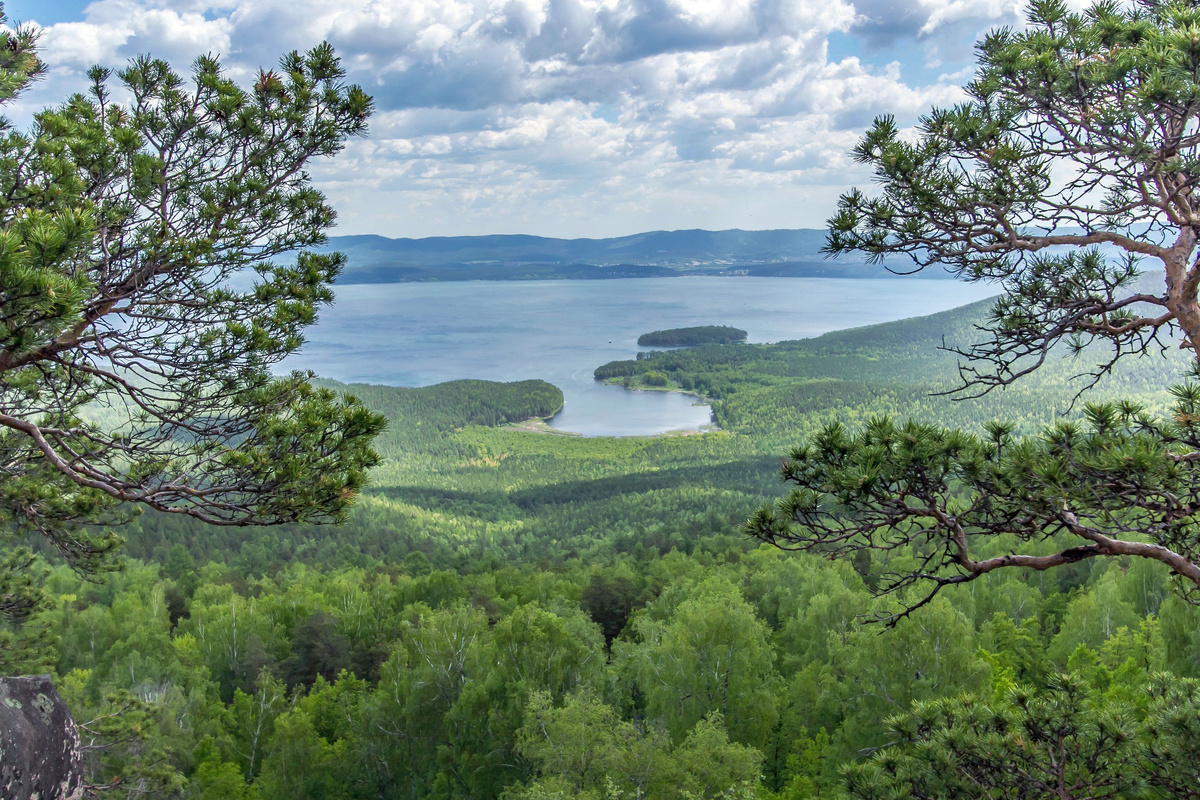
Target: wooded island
x,y
690,337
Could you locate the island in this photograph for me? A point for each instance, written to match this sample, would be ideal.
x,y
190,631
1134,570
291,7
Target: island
x,y
689,337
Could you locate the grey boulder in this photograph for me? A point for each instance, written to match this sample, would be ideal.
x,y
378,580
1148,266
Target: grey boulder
x,y
40,756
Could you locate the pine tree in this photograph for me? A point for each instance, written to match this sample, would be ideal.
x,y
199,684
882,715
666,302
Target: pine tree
x,y
1080,131
146,295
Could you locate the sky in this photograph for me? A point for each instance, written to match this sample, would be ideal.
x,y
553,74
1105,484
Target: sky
x,y
570,118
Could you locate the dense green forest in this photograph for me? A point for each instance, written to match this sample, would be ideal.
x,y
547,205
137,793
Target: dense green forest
x,y
508,614
690,337
500,614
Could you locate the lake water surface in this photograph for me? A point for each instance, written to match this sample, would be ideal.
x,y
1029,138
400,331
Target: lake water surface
x,y
416,334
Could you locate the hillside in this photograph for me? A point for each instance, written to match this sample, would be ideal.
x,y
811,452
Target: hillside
x,y
771,253
492,583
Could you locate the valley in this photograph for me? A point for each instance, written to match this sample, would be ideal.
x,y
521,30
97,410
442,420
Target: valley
x,y
577,580
904,505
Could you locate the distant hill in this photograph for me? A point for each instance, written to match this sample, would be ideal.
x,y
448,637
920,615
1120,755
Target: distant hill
x,y
774,253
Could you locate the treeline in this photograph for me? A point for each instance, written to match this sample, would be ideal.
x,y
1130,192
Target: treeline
x,y
524,498
791,388
726,673
690,337
420,417
499,597
520,271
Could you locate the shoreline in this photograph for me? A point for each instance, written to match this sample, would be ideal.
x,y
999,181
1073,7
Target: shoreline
x,y
702,399
537,425
542,424
374,279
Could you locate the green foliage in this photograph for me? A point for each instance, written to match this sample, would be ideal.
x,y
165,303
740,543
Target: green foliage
x,y
712,767
584,749
121,745
610,597
19,63
711,657
690,337
1062,741
406,651
490,570
1107,482
132,373
656,379
420,418
24,645
988,189
494,678
511,615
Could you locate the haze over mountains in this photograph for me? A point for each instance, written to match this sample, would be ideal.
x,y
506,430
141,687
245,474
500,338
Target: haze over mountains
x,y
774,253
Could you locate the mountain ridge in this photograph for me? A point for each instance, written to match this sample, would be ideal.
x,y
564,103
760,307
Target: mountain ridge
x,y
779,252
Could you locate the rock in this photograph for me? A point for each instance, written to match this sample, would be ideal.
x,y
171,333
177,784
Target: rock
x,y
40,757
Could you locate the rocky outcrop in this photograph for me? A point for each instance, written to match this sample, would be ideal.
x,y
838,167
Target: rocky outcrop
x,y
40,758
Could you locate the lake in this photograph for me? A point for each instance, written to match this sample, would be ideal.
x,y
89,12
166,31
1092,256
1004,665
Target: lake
x,y
416,334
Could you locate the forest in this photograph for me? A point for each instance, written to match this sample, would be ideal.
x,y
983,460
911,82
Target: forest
x,y
690,337
518,615
945,557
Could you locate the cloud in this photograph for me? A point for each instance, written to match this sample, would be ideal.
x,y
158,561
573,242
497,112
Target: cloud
x,y
117,29
580,117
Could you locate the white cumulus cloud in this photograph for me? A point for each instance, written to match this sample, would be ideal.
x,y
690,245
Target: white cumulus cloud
x,y
572,117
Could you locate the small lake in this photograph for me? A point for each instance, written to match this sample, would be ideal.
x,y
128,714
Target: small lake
x,y
416,334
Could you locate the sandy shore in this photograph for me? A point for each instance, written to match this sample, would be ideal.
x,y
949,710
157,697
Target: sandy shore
x,y
541,426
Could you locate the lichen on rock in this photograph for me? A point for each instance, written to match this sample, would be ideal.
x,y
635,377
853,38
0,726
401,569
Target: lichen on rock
x,y
40,755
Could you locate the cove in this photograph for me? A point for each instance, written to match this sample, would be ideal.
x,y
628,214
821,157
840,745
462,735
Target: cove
x,y
416,334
